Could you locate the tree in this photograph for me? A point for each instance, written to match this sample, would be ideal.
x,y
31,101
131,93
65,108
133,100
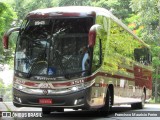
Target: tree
x,y
6,17
8,94
120,8
2,87
148,12
72,2
23,7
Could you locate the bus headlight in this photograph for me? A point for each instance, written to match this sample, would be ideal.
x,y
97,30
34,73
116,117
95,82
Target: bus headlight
x,y
82,86
19,87
26,89
74,88
39,91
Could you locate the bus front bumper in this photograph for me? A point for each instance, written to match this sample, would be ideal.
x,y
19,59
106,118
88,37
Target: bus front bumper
x,y
76,100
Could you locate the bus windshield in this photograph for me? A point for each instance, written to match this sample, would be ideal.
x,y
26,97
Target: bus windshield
x,y
53,47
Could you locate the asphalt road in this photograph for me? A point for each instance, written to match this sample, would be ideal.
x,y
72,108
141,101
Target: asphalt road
x,y
117,113
3,107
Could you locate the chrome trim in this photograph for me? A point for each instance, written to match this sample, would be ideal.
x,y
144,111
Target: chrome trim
x,y
48,105
53,91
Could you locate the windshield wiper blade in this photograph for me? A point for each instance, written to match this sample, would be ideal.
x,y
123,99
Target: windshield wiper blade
x,y
34,65
30,71
41,58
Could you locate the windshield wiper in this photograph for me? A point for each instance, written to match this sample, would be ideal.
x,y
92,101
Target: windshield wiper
x,y
38,60
57,55
30,71
34,66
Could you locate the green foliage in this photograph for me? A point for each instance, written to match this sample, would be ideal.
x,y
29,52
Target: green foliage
x,y
23,7
2,86
120,8
120,49
72,2
6,17
8,93
155,59
1,83
148,17
148,12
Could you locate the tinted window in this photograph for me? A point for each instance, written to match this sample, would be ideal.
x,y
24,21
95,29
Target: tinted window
x,y
53,47
142,55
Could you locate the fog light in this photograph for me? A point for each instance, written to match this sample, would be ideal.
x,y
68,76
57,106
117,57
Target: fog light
x,y
19,99
79,101
75,102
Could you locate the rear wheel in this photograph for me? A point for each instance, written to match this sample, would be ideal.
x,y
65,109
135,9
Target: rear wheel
x,y
143,98
136,105
139,105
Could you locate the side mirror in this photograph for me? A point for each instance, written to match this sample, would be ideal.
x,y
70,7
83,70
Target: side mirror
x,y
6,36
93,32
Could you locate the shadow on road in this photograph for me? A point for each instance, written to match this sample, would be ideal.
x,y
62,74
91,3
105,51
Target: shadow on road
x,y
90,115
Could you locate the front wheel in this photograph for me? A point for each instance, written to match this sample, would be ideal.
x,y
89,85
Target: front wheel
x,y
106,108
59,110
46,110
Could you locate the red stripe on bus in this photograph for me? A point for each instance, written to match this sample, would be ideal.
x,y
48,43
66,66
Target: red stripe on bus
x,y
31,84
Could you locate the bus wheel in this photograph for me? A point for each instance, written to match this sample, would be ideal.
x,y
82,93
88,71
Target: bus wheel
x,y
106,108
59,110
143,98
139,105
136,105
46,110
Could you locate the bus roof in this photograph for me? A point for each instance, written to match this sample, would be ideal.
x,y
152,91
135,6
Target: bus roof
x,y
68,11
78,11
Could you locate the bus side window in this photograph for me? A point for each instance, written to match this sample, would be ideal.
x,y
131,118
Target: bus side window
x,y
97,55
142,55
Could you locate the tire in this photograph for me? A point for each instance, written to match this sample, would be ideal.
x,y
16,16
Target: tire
x,y
139,105
59,110
106,108
143,98
46,111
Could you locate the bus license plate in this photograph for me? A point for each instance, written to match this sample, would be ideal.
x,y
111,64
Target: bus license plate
x,y
45,101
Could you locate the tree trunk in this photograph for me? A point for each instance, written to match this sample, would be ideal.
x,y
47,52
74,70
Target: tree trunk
x,y
156,81
157,69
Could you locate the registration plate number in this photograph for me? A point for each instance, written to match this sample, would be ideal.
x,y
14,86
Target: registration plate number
x,y
45,101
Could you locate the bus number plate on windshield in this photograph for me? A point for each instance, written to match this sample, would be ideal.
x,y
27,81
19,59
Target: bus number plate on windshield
x,y
45,101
